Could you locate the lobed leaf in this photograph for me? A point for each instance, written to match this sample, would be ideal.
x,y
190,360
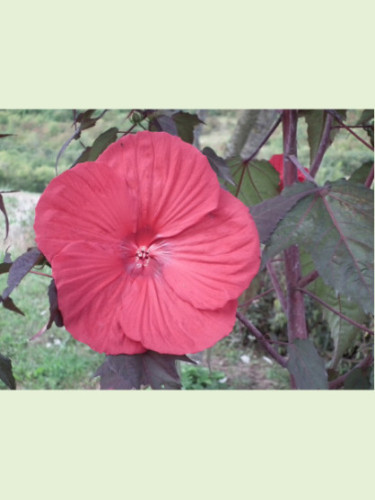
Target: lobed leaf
x,y
335,226
185,123
219,165
306,366
9,304
20,267
343,333
269,213
255,181
6,373
133,371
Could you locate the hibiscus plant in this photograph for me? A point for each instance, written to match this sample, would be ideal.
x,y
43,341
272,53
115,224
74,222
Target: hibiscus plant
x,y
157,248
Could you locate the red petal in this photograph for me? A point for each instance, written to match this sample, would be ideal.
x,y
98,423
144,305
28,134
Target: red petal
x,y
171,181
161,321
90,281
83,204
215,260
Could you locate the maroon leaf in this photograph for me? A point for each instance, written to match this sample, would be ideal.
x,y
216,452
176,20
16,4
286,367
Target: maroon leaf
x,y
163,123
55,314
270,212
306,366
9,304
20,267
3,209
219,165
133,371
6,374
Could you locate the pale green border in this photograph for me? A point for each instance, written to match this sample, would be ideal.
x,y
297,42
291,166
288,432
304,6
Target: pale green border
x,y
216,445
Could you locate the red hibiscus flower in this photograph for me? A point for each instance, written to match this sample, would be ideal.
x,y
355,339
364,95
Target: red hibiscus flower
x,y
147,250
277,161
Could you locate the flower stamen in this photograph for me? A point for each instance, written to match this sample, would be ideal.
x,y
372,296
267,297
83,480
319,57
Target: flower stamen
x,y
142,257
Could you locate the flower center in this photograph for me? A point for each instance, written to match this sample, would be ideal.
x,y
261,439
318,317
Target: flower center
x,y
142,257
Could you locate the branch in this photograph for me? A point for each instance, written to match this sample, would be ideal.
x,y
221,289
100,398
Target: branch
x,y
276,285
262,340
309,278
324,143
335,311
337,118
370,178
296,314
339,382
277,123
250,301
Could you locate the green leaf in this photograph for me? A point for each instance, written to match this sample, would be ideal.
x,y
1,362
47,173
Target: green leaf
x,y
6,373
366,116
343,333
102,142
258,180
219,165
335,226
361,174
185,123
315,120
306,366
270,212
357,379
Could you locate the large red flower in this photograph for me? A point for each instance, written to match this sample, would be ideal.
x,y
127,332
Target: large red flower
x,y
147,250
277,161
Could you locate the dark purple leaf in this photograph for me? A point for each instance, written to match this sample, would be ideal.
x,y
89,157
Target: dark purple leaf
x,y
20,267
9,304
163,123
3,209
6,374
4,267
306,366
133,371
269,213
336,227
55,314
219,165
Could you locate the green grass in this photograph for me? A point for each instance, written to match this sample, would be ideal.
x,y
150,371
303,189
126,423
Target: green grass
x,y
52,361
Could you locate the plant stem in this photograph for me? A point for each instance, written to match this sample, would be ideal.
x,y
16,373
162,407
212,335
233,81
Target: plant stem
x,y
41,274
324,143
262,340
343,316
294,299
339,382
370,178
266,137
337,118
309,278
250,301
277,286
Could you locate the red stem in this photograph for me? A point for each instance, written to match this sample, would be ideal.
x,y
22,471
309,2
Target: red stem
x,y
327,306
370,177
337,118
295,303
262,340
